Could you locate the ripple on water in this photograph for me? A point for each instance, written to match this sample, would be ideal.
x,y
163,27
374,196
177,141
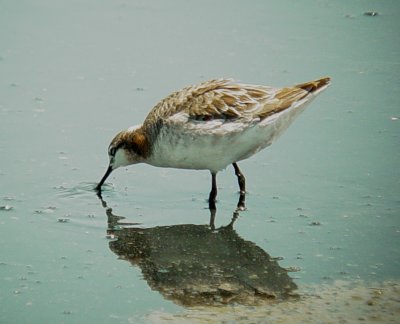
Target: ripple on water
x,y
6,208
46,210
81,189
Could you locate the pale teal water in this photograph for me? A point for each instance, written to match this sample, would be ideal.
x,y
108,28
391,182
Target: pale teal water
x,y
73,74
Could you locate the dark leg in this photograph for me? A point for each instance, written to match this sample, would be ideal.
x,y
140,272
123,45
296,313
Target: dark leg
x,y
242,186
213,193
241,179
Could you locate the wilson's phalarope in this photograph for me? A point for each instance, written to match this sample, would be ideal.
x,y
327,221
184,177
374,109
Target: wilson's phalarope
x,y
211,125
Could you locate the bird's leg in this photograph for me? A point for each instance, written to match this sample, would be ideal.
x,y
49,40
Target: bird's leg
x,y
241,179
213,193
242,187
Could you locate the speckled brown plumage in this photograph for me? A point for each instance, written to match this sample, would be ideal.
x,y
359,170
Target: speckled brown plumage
x,y
227,99
211,125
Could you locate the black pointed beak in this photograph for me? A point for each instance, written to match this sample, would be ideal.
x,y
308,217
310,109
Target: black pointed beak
x,y
98,187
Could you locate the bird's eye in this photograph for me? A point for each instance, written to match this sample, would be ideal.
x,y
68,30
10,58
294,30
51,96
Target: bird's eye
x,y
111,151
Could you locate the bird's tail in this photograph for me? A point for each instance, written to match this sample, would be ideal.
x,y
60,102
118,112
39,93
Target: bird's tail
x,y
315,86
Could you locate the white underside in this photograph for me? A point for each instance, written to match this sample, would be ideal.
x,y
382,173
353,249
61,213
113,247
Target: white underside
x,y
213,145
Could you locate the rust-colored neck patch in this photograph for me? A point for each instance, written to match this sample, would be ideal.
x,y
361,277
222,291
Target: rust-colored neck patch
x,y
139,143
135,142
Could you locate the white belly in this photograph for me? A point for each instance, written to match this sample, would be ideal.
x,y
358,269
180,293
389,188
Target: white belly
x,y
213,145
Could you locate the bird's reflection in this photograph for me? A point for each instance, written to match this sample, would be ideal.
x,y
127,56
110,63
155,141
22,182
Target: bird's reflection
x,y
197,265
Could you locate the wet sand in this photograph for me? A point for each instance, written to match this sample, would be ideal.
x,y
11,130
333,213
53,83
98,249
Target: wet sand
x,y
340,302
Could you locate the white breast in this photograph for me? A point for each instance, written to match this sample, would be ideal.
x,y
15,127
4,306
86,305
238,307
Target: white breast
x,y
213,145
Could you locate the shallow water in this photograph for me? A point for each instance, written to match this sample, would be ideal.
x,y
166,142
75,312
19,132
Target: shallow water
x,y
323,201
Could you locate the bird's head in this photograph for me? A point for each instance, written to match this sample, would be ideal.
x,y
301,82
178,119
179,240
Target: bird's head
x,y
127,147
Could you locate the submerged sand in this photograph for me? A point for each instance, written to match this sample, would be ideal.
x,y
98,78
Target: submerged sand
x,y
340,302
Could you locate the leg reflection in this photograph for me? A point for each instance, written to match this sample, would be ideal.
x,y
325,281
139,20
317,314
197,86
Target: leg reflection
x,y
235,216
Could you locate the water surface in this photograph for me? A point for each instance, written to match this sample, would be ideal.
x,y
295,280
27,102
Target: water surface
x,y
323,201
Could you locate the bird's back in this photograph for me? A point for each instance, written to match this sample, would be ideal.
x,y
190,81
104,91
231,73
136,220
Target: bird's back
x,y
227,99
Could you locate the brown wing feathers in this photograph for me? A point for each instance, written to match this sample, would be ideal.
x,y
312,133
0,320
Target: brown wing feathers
x,y
285,97
225,99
